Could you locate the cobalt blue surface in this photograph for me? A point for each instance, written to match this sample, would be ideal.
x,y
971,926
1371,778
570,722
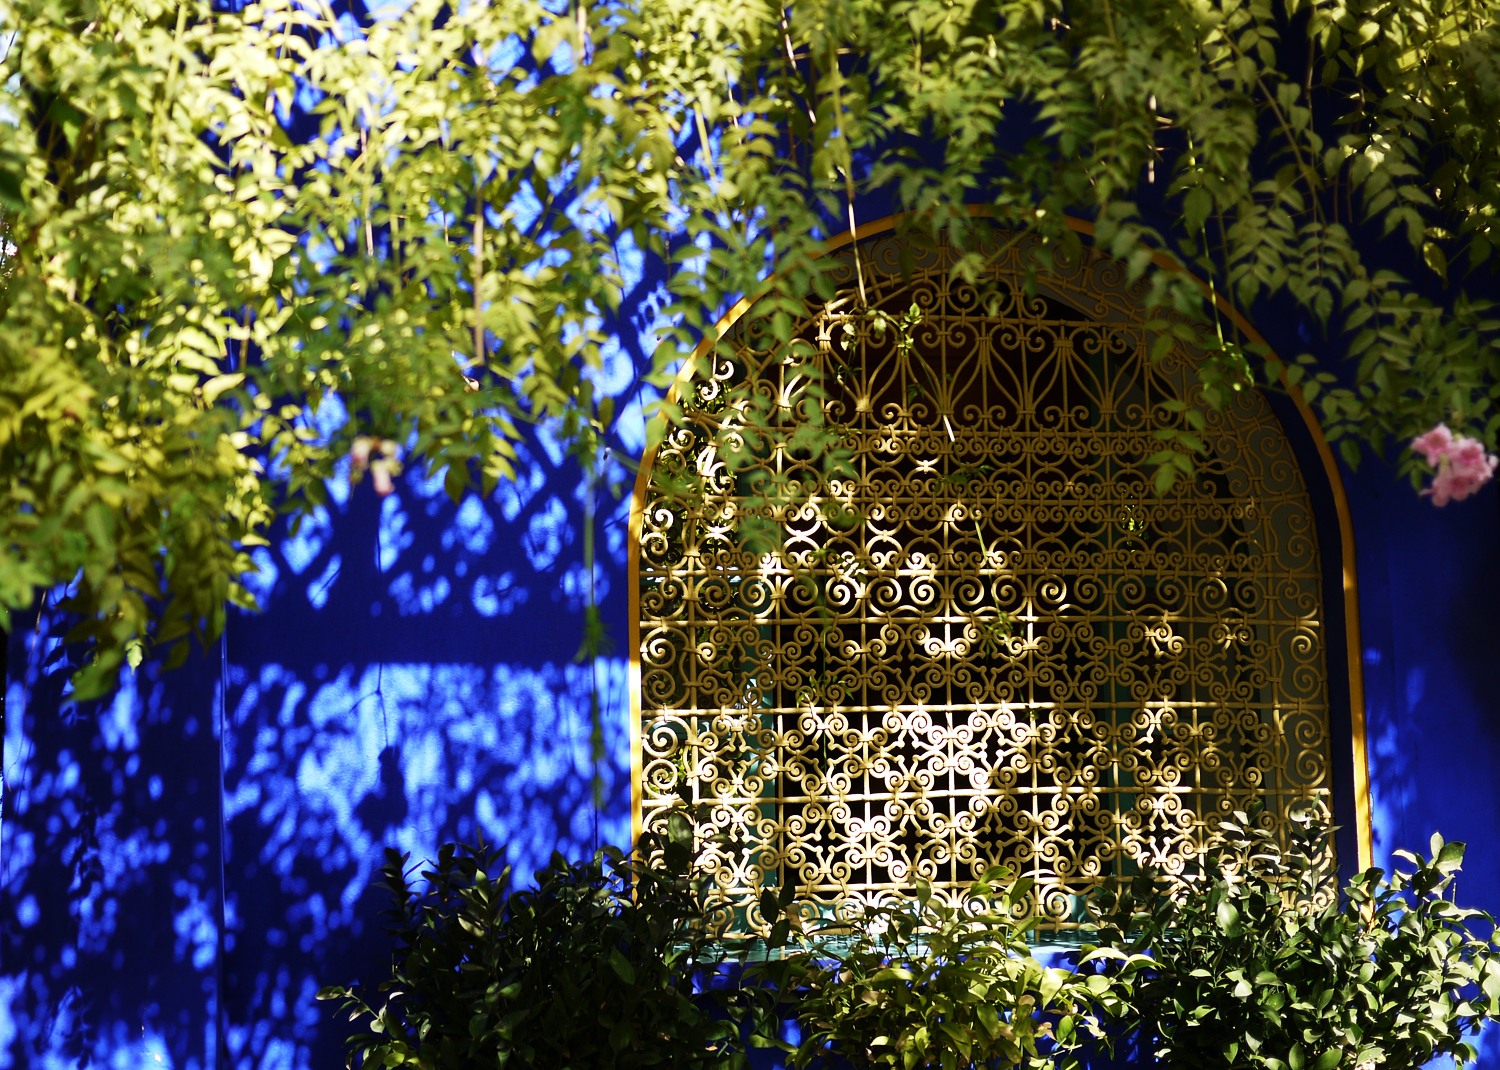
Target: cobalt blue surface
x,y
184,865
412,681
109,907
1429,586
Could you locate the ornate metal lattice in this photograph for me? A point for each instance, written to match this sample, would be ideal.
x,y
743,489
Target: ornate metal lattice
x,y
994,643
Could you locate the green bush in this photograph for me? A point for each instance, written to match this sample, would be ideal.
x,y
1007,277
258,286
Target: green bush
x,y
592,969
1260,964
923,984
1254,965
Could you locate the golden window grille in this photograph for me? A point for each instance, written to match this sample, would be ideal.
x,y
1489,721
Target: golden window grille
x,y
1017,653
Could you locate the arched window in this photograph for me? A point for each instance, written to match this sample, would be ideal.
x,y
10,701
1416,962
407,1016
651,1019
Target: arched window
x,y
993,642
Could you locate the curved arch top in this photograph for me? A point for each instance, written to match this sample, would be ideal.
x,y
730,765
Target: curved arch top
x,y
1003,611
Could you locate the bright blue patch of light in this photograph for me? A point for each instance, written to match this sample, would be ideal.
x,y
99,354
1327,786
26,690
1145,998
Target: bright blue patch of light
x,y
507,54
632,263
392,536
412,599
514,495
615,372
338,486
549,437
497,597
424,483
301,549
330,417
546,534
317,591
261,582
574,586
471,526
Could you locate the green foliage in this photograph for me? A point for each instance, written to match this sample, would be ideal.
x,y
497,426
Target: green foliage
x,y
924,984
191,285
117,462
592,968
1258,964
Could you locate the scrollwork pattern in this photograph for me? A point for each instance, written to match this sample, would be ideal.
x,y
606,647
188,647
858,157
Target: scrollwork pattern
x,y
995,643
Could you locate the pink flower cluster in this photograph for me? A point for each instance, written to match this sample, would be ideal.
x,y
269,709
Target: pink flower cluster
x,y
386,462
1462,465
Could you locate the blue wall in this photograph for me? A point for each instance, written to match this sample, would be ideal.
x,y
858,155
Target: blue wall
x,y
197,853
411,682
1429,586
182,867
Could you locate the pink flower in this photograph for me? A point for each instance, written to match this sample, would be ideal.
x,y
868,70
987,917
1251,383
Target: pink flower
x,y
1468,455
1434,445
359,452
380,475
1462,464
1445,488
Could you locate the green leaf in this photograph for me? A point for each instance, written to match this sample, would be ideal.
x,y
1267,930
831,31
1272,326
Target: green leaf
x,y
217,385
621,965
924,892
780,933
1227,916
770,906
1491,982
12,170
1436,259
1196,205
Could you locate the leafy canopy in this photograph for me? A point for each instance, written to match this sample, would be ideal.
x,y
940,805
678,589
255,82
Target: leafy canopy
x,y
232,227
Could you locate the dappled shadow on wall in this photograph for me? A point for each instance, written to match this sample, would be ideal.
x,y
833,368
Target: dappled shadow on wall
x,y
109,853
412,682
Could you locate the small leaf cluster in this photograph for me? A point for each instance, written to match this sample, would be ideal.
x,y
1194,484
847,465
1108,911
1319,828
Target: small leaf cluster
x,y
591,968
1258,964
924,983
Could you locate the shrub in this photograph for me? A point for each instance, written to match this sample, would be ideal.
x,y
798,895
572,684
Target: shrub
x,y
593,968
1261,964
923,984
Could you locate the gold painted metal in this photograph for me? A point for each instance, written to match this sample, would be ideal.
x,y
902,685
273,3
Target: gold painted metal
x,y
994,642
1364,822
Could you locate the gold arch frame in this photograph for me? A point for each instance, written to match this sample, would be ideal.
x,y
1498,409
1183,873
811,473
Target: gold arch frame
x,y
1362,800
